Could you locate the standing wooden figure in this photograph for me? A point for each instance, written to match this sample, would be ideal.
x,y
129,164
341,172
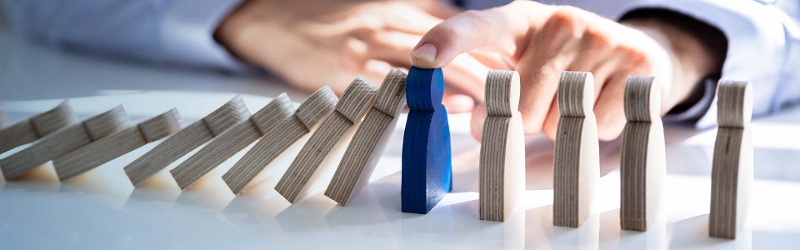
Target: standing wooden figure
x,y
643,162
732,169
502,164
577,154
427,166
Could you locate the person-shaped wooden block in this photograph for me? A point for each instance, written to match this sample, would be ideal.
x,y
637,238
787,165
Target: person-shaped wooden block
x,y
577,155
233,140
308,164
732,168
37,126
370,140
189,138
643,161
502,163
109,148
287,131
65,140
426,166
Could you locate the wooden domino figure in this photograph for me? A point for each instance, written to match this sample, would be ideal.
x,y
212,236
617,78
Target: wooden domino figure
x,y
732,169
109,148
233,140
292,128
63,141
643,162
502,162
186,140
370,140
37,126
355,101
427,165
577,154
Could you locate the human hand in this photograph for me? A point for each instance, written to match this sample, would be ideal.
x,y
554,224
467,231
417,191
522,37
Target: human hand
x,y
541,41
311,43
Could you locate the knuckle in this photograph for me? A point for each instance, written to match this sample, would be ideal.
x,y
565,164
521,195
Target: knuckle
x,y
638,58
596,40
449,33
567,19
567,10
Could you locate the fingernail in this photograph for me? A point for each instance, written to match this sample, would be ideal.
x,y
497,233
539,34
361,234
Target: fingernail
x,y
426,52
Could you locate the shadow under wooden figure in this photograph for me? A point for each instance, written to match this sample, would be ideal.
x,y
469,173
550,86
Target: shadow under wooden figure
x,y
426,166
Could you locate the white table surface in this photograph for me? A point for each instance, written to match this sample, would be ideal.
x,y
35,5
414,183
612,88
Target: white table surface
x,y
102,210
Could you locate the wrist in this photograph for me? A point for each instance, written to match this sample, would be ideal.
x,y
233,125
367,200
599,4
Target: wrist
x,y
690,61
697,49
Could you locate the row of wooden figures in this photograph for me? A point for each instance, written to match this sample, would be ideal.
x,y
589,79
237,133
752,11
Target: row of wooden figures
x,y
643,161
78,146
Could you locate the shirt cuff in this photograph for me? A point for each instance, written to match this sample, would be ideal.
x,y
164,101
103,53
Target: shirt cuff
x,y
698,109
188,34
756,41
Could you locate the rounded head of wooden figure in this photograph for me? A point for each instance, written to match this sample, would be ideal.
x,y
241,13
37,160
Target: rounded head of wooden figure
x,y
316,107
502,92
107,123
576,93
54,119
356,98
391,93
424,88
161,126
734,103
227,115
642,99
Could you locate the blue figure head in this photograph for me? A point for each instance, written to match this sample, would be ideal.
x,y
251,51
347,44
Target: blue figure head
x,y
424,88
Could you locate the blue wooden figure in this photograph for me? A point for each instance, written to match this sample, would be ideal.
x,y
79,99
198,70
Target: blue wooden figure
x,y
427,167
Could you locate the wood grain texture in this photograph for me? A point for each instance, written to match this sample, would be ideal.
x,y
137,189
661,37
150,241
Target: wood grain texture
x,y
64,141
734,104
318,106
502,162
355,100
37,126
576,155
643,161
427,156
369,141
232,140
109,148
186,140
732,167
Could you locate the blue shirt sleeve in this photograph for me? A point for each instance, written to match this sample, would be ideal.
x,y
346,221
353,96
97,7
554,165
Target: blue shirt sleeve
x,y
155,31
763,48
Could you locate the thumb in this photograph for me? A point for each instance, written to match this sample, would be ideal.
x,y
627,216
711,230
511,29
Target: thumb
x,y
496,30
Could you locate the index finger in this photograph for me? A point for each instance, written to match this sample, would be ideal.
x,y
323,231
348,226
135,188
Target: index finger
x,y
499,30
